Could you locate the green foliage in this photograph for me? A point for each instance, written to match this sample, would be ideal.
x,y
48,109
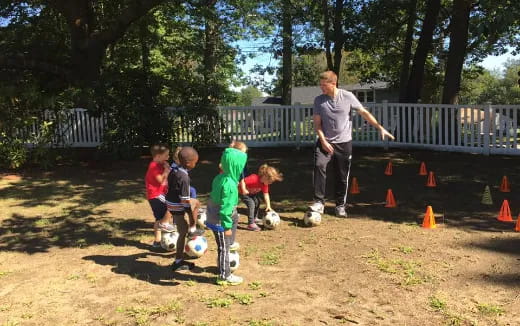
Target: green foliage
x,y
247,94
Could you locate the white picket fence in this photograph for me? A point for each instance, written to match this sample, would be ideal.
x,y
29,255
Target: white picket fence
x,y
486,129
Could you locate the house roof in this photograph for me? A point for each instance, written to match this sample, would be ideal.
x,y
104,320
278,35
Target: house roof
x,y
266,100
306,94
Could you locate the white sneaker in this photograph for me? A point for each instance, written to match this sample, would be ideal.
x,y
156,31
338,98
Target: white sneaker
x,y
317,207
234,280
234,246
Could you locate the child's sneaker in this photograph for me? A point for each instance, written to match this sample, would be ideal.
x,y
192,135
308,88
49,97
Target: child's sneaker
x,y
258,220
231,280
234,246
182,266
253,227
197,232
166,227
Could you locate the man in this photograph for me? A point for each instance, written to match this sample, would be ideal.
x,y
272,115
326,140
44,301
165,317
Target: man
x,y
333,123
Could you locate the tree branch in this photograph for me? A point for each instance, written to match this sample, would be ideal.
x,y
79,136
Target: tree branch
x,y
133,12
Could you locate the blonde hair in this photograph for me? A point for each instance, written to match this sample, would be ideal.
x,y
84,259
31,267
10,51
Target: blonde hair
x,y
329,76
270,173
158,149
175,155
241,146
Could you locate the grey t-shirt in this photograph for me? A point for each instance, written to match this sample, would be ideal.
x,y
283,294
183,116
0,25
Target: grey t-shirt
x,y
336,115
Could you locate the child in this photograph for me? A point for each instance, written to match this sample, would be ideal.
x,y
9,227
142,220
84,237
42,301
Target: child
x,y
180,203
156,186
175,165
254,185
221,209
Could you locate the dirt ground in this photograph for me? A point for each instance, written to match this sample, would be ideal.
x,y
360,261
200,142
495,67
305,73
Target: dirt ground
x,y
74,248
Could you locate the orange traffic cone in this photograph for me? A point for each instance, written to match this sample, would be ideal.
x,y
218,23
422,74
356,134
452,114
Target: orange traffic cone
x,y
422,169
431,180
505,186
429,219
517,227
505,212
390,201
354,189
388,170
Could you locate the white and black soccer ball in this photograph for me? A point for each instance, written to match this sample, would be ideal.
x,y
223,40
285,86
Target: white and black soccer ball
x,y
271,220
234,260
169,240
312,218
196,246
201,218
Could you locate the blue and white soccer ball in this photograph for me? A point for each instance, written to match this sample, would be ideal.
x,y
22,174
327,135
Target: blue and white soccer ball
x,y
169,240
234,260
196,246
271,220
312,218
201,218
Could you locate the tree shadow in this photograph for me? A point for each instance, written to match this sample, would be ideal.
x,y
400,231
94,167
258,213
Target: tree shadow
x,y
36,234
147,271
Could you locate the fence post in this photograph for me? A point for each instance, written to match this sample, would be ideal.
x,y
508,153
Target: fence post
x,y
385,121
487,123
297,117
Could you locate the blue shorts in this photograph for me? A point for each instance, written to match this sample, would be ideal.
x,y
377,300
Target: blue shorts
x,y
158,208
193,192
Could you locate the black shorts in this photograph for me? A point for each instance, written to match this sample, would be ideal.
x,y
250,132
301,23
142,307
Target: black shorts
x,y
158,208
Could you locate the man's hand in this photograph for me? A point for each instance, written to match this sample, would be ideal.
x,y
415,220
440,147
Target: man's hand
x,y
385,133
228,233
327,146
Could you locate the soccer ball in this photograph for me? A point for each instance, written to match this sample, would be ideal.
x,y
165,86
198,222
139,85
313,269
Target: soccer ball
x,y
201,218
169,240
271,220
234,260
312,218
196,246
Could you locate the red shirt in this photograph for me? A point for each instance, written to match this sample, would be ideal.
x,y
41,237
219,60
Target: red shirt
x,y
254,185
153,187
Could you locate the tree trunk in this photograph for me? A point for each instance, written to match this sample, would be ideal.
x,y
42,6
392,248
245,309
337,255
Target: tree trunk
x,y
326,33
211,35
415,82
457,52
339,38
287,44
407,51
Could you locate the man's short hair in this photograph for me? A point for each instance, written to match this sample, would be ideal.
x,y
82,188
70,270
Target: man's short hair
x,y
329,76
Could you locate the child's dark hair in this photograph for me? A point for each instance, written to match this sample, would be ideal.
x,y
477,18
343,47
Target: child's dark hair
x,y
184,154
270,173
158,149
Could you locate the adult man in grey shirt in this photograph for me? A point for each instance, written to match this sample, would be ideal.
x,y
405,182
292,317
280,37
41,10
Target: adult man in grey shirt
x,y
333,123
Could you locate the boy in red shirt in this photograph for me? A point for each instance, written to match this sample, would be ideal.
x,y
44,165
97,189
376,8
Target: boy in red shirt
x,y
156,181
256,188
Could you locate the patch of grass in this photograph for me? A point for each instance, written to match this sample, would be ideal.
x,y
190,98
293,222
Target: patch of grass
x,y
263,322
201,323
270,258
73,277
437,303
490,309
43,222
251,249
11,323
255,285
263,294
5,308
27,315
406,249
80,243
242,298
190,283
407,270
91,278
218,302
144,315
4,273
